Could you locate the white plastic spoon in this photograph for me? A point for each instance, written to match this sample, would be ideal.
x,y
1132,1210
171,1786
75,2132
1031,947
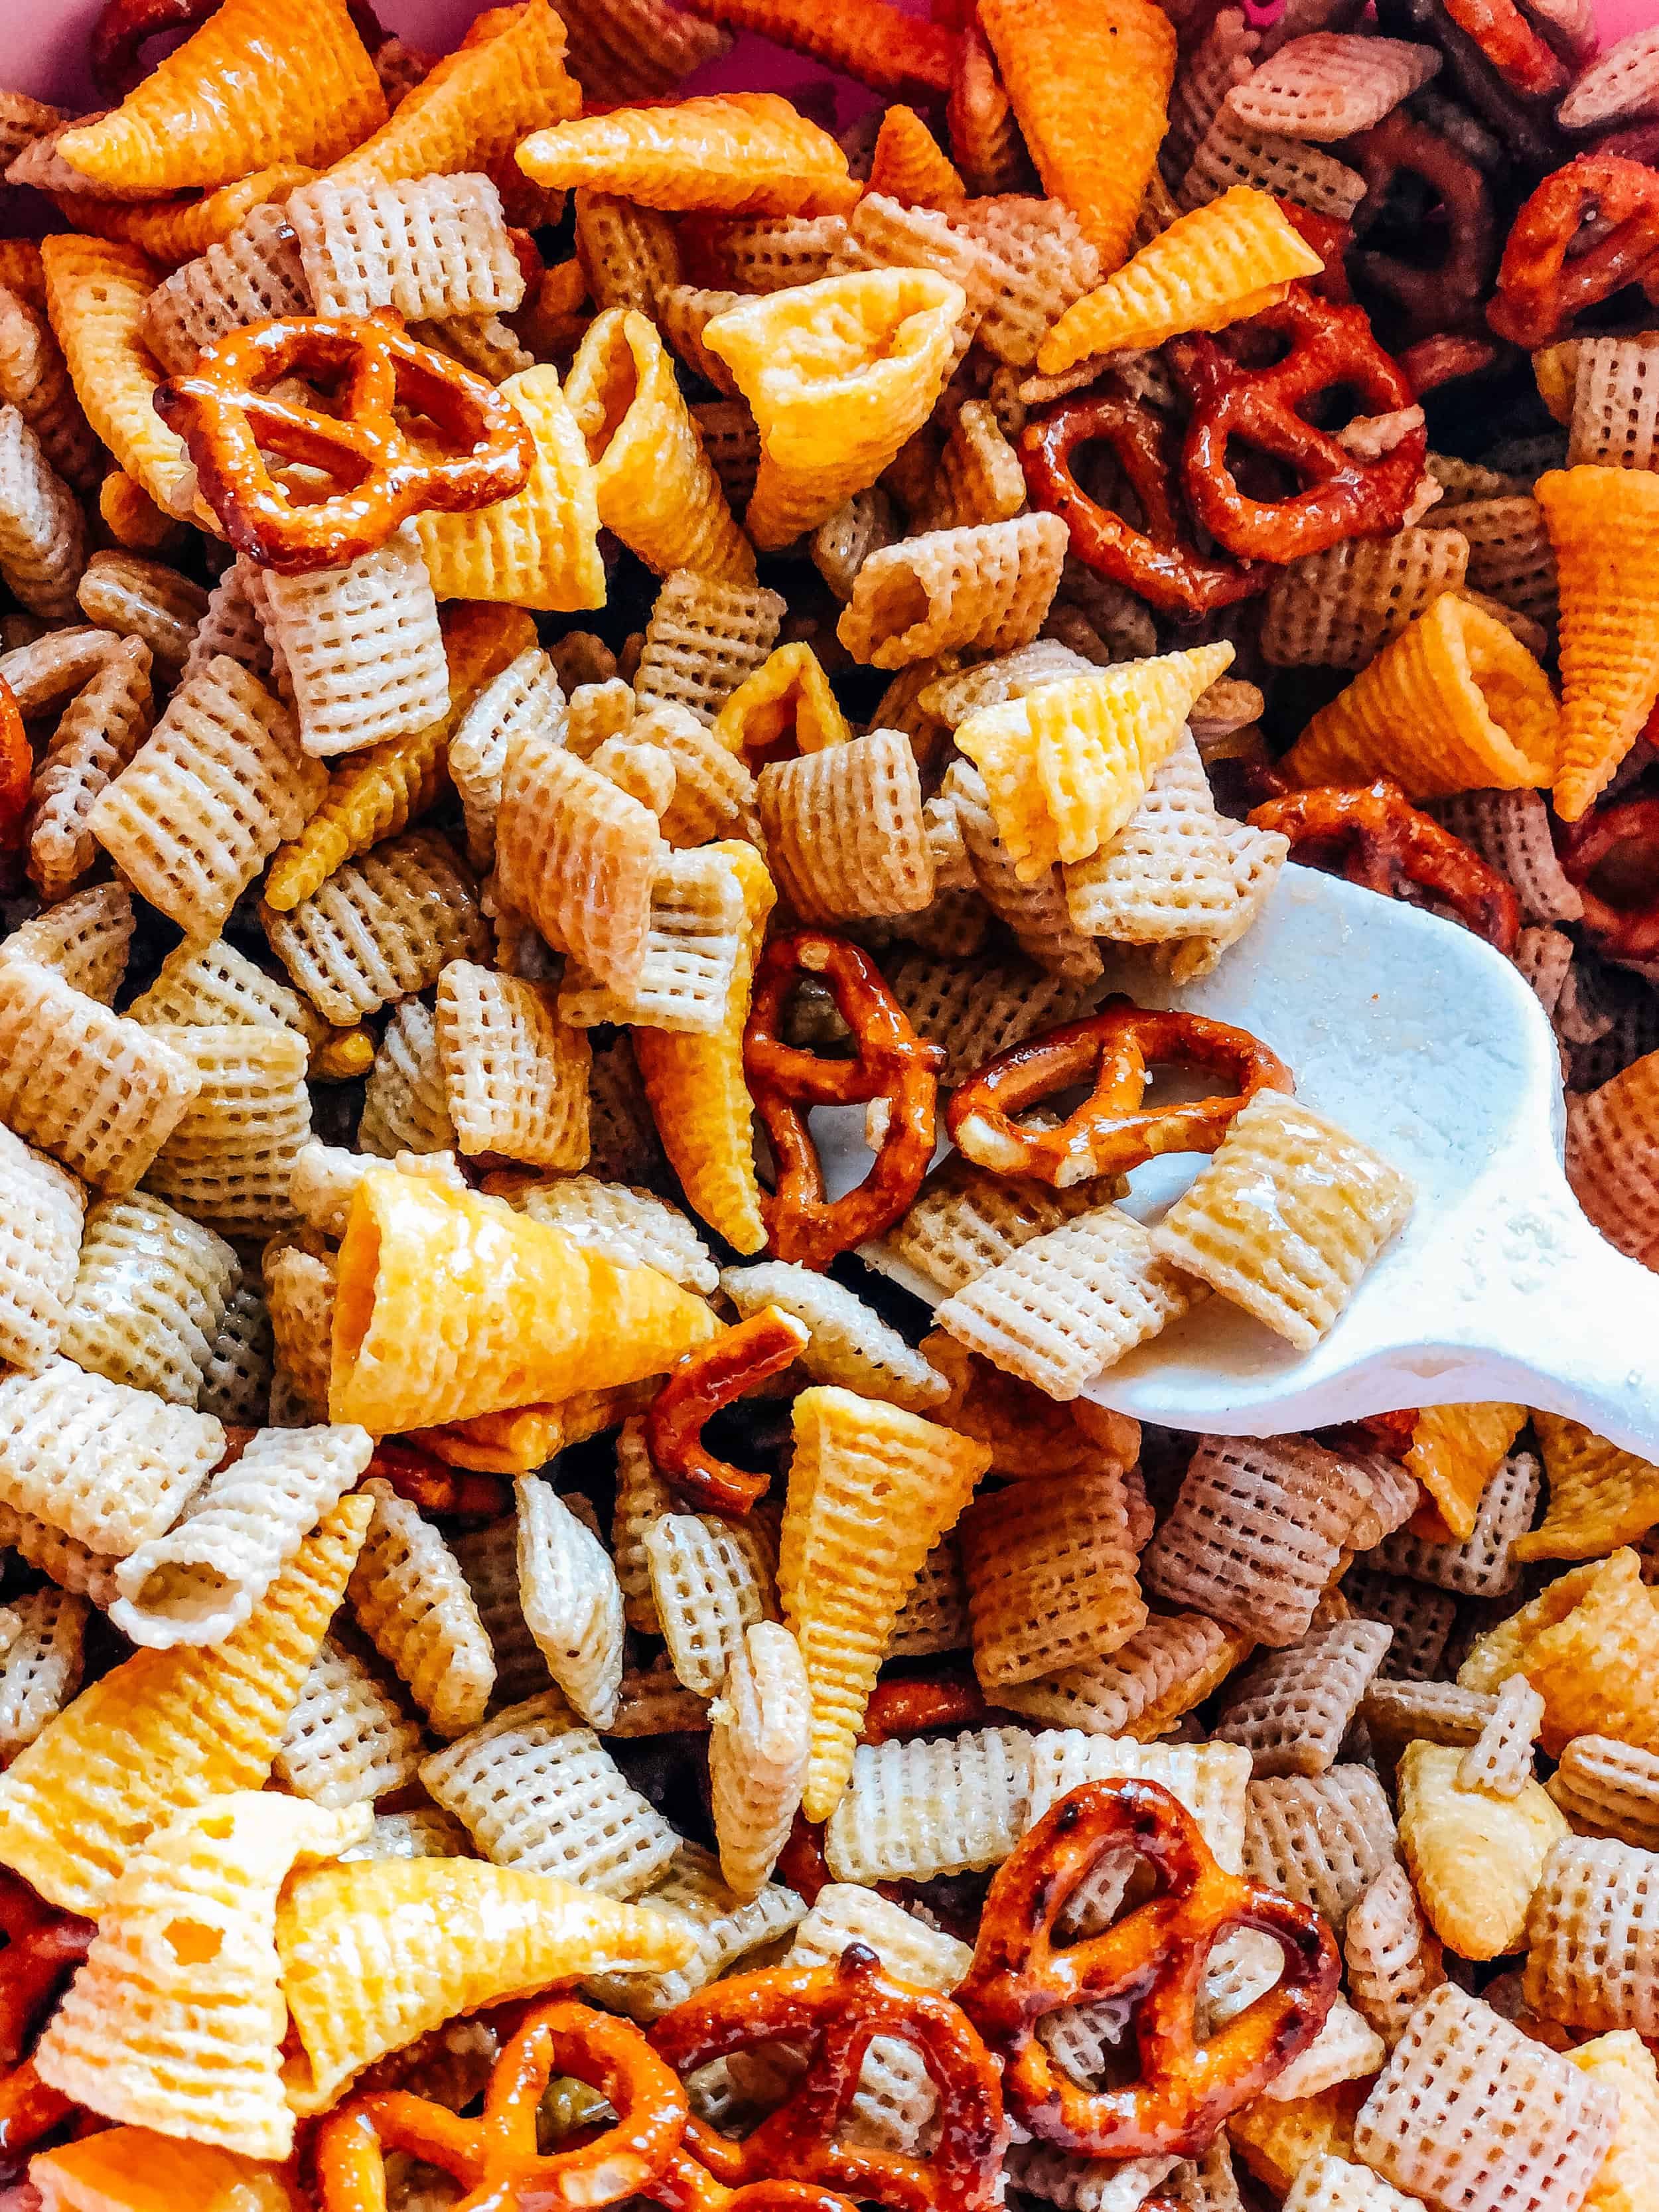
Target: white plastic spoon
x,y
1417,1036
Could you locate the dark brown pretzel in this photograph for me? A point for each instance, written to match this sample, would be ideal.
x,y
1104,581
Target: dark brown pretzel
x,y
226,414
436,1487
1152,1962
1521,58
1110,1132
1447,295
1630,931
891,1063
1345,496
1443,358
1160,562
41,1945
1541,291
836,2012
699,1383
1384,842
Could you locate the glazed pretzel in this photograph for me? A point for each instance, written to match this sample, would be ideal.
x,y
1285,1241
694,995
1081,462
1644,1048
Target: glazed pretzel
x,y
1621,933
699,1383
436,1487
1525,63
125,26
835,2012
41,1945
1109,1134
1160,562
891,1063
494,2158
1446,296
1443,358
225,413
1345,496
1384,842
1540,292
912,1706
1152,1962
17,770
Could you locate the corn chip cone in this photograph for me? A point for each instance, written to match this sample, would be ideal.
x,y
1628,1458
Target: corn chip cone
x,y
450,1305
507,77
1222,263
1624,2181
1604,526
95,295
907,166
1089,81
1454,703
187,2036
262,81
872,1490
787,701
699,1098
746,153
839,375
168,1730
377,1951
140,2171
382,790
655,485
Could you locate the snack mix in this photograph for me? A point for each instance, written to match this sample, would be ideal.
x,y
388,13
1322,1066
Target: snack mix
x,y
558,616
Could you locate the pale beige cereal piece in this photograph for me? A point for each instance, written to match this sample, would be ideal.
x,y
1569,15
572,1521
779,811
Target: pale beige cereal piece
x,y
427,1834
236,1376
1511,828
514,1077
725,1923
1607,1788
1223,56
146,600
653,1703
1469,2111
760,1738
1256,1533
966,1220
201,1580
382,927
913,1810
953,697
696,935
148,1298
988,586
597,712
232,626
1483,1564
579,857
98,1092
980,475
850,1344
84,937
488,1558
426,247
642,1497
411,1599
1327,2184
1392,1955
1292,1711
841,546
1236,153
538,1791
1051,1577
361,646
108,1465
1332,84
1043,2174
1510,557
41,1211
300,1292
703,638
1041,262
1593,1936
630,254
348,1741
1347,2048
710,1581
1286,1218
1035,914
935,1615
40,1669
1395,1496
1425,1711
844,830
634,50
229,1161
571,1600
1168,874
633,1226
1544,958
525,696
42,530
1337,608
211,986
1615,404
405,1108
1621,83
253,274
1171,1658
976,1009
73,1568
98,732
1500,1760
684,311
34,379
1322,1838
731,438
220,782
484,344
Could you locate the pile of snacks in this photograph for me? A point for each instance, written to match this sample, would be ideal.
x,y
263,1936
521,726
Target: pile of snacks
x,y
555,622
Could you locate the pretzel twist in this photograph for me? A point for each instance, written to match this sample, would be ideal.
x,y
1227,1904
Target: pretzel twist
x,y
1345,496
1524,61
1621,933
1447,295
1153,1961
1110,1132
1385,842
910,1706
1160,562
435,1487
836,2012
494,2158
891,1063
1540,293
700,1382
226,414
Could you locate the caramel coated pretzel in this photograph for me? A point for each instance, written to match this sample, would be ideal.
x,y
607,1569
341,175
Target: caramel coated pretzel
x,y
1160,562
912,1706
891,1063
436,1487
1621,933
494,2158
1447,296
1540,292
41,1945
836,2012
1385,842
1527,63
1345,496
1152,1962
1109,1134
16,769
225,416
699,1383
1443,358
